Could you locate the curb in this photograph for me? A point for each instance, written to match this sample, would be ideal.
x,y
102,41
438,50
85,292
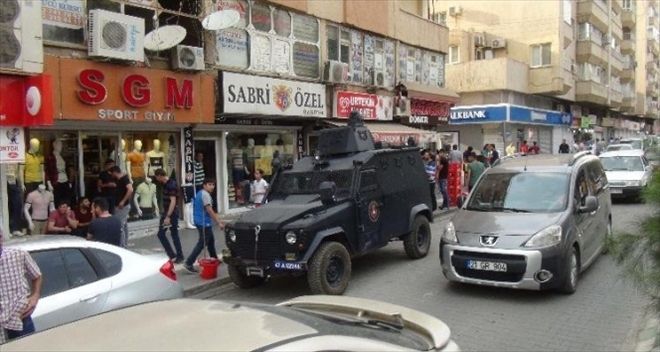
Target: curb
x,y
648,336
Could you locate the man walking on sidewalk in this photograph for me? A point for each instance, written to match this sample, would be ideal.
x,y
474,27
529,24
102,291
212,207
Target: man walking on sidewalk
x,y
20,289
123,194
170,218
204,216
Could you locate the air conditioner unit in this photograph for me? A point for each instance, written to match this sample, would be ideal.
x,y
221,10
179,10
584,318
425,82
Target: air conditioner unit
x,y
455,11
479,40
336,72
21,46
115,35
402,108
188,58
498,43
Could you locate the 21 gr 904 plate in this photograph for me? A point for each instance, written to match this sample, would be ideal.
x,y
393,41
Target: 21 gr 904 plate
x,y
486,266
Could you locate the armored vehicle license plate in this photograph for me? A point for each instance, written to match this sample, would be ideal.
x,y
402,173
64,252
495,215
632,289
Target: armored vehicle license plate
x,y
282,265
486,266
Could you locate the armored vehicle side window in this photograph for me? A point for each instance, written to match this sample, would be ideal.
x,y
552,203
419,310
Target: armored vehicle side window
x,y
309,182
368,181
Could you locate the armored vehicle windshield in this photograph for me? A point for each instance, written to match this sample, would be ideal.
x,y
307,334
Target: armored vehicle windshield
x,y
298,182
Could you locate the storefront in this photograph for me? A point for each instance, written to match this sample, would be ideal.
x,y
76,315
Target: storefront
x,y
25,101
130,115
504,124
262,124
432,115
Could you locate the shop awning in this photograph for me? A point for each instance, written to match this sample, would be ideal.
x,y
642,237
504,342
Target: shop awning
x,y
394,133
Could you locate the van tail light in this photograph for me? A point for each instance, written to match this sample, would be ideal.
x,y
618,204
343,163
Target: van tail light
x,y
168,270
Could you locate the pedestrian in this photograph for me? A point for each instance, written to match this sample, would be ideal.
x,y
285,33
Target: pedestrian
x,y
62,220
170,217
563,147
204,215
430,168
123,196
106,184
259,187
20,289
475,169
455,156
534,149
105,227
467,153
276,163
510,149
524,148
200,174
442,166
485,152
494,154
594,147
84,215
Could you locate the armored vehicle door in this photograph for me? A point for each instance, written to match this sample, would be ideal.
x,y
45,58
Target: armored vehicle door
x,y
369,205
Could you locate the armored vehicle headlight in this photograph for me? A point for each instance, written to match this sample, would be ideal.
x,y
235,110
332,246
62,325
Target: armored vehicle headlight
x,y
232,235
291,237
449,234
547,237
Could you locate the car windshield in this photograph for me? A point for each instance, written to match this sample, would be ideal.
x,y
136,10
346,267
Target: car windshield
x,y
619,147
622,163
290,182
635,143
523,192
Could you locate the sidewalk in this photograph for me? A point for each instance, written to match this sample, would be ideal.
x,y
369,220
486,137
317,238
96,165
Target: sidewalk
x,y
193,283
648,337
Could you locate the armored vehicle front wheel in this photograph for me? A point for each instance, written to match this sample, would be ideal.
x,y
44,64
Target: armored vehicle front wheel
x,y
241,279
330,269
418,242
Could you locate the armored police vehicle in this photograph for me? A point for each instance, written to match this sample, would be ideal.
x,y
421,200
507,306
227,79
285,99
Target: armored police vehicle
x,y
348,200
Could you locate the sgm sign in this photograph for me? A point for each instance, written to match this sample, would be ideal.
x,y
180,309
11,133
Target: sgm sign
x,y
107,92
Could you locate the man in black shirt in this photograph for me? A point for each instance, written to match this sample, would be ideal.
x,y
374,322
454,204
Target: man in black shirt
x,y
564,148
170,217
443,173
123,193
105,227
106,185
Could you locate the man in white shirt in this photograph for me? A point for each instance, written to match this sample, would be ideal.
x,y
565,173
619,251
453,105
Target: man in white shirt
x,y
259,187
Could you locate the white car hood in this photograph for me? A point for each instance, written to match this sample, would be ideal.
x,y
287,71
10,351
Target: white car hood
x,y
624,175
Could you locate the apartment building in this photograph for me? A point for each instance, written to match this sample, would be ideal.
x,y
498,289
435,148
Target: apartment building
x,y
551,67
647,57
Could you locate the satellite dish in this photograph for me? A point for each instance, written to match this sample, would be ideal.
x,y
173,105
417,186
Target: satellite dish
x,y
221,20
164,38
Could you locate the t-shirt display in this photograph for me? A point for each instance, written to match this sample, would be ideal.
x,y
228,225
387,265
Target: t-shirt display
x,y
39,204
146,193
106,230
33,168
137,164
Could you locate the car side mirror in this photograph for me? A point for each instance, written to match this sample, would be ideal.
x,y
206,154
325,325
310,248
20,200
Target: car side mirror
x,y
327,190
590,205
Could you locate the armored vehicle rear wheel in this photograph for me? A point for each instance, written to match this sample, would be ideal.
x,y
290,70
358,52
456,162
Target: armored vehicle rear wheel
x,y
240,278
418,242
330,269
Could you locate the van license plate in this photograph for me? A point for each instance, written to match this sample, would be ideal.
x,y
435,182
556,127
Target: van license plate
x,y
486,266
616,190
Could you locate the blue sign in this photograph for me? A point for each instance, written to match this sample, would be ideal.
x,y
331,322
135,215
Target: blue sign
x,y
478,114
536,116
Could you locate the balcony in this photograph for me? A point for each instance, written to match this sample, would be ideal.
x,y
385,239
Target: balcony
x,y
616,99
617,29
628,18
595,12
628,45
616,61
417,30
588,51
591,92
628,73
652,89
628,104
487,75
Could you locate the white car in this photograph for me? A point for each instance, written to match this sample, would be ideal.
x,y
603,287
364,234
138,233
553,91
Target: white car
x,y
308,323
628,172
83,278
615,147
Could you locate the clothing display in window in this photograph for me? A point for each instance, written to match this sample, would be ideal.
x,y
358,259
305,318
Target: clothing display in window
x,y
155,159
56,176
34,166
38,205
135,163
145,199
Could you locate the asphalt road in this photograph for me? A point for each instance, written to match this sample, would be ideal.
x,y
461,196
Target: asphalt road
x,y
602,315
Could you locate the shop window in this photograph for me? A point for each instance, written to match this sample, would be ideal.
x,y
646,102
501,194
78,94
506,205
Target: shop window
x,y
541,55
232,45
421,66
378,61
248,152
260,17
282,22
65,26
454,57
346,46
305,28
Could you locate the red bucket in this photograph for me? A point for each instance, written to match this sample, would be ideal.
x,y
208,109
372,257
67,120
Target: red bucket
x,y
209,268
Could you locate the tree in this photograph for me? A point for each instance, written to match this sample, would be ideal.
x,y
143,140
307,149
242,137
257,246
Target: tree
x,y
639,253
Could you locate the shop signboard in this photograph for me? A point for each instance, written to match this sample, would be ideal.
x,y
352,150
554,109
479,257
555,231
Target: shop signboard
x,y
428,112
12,145
63,13
370,106
246,94
538,116
478,114
107,92
585,122
188,156
26,100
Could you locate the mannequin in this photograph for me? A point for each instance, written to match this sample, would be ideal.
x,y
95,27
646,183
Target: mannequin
x,y
42,203
15,189
135,167
56,177
120,158
239,171
145,199
155,158
33,174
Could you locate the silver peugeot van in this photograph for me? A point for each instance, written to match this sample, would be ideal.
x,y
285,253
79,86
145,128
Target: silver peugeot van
x,y
530,222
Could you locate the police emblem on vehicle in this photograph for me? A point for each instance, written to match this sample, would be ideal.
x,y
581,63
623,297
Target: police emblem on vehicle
x,y
488,240
374,211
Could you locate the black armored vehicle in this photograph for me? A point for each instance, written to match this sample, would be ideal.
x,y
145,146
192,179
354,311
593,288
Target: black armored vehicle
x,y
348,200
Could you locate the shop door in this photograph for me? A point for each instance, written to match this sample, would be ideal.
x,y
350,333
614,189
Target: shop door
x,y
205,150
545,140
96,150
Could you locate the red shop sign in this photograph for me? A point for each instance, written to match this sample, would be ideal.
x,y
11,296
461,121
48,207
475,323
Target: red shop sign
x,y
421,107
26,100
371,106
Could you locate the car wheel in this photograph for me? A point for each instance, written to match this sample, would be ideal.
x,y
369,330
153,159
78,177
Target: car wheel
x,y
418,242
572,271
330,269
241,279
